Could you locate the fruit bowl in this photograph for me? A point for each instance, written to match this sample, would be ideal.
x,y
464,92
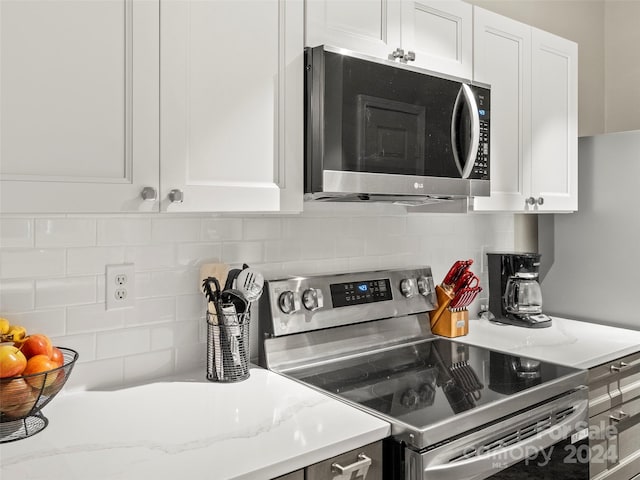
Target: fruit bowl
x,y
23,397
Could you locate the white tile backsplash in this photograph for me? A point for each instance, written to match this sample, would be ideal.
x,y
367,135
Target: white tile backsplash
x,y
52,271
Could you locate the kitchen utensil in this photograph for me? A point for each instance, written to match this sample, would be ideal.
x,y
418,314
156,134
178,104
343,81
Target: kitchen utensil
x,y
250,282
464,297
467,279
233,307
231,278
455,272
215,270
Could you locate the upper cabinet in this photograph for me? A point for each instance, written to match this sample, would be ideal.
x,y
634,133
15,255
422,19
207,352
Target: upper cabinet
x,y
79,124
231,103
440,33
140,105
534,85
431,34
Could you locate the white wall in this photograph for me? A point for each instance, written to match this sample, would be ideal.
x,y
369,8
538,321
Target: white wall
x,y
52,272
622,65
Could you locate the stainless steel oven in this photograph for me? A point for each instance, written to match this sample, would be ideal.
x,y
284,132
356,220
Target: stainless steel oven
x,y
456,411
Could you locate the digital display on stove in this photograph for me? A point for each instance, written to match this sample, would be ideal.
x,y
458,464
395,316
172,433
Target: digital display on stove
x,y
357,293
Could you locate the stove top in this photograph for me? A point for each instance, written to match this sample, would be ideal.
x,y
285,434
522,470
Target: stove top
x,y
365,339
429,382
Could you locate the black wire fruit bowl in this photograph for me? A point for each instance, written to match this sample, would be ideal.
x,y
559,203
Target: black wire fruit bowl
x,y
23,397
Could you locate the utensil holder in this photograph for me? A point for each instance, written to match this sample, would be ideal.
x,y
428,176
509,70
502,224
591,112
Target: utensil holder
x,y
228,347
445,321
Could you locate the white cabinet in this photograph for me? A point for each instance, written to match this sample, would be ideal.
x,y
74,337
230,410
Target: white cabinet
x,y
231,105
437,32
197,100
533,78
79,124
371,27
440,33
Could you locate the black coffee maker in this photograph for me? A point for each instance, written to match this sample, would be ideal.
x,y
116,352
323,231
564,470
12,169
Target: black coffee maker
x,y
514,292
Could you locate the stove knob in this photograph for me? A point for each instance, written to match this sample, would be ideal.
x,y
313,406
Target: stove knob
x,y
425,285
312,299
288,302
408,287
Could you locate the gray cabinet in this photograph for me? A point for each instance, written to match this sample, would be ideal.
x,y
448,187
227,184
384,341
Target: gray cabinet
x,y
363,463
614,419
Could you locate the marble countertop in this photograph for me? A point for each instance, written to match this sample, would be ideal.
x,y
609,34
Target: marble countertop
x,y
259,428
568,342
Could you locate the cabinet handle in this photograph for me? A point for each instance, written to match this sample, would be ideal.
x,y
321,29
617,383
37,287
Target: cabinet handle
x,y
409,57
397,53
176,196
531,201
621,416
615,368
540,200
360,467
149,193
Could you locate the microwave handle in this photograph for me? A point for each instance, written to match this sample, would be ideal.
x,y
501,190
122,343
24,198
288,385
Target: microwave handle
x,y
466,94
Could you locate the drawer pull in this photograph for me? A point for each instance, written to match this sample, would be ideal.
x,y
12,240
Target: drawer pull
x,y
615,368
621,416
360,467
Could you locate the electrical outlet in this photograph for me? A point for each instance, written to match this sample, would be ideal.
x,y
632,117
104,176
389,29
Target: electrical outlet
x,y
120,283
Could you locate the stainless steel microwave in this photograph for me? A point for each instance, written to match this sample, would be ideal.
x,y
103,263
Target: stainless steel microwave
x,y
378,130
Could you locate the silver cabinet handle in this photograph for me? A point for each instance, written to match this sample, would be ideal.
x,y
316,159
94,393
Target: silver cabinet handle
x,y
409,57
621,416
149,193
531,201
359,467
397,53
615,368
540,200
176,196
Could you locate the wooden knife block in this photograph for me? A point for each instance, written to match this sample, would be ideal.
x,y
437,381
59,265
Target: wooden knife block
x,y
446,322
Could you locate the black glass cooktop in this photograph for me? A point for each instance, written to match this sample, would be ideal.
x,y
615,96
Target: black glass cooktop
x,y
426,382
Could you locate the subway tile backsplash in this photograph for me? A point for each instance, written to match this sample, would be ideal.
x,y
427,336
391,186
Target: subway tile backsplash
x,y
52,272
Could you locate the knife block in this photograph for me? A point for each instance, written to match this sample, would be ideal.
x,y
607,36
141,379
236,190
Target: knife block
x,y
445,321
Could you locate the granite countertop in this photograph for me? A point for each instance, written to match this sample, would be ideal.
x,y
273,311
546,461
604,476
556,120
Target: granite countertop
x,y
259,428
568,342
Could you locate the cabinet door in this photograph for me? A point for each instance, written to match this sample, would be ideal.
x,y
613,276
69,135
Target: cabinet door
x,y
231,105
79,129
371,27
555,122
502,59
440,34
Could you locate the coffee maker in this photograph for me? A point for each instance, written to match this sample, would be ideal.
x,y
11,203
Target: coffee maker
x,y
514,292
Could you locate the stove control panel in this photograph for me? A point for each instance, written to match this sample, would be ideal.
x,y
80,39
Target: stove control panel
x,y
299,304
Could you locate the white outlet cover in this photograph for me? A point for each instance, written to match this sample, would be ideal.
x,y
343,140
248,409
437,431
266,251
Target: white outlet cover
x,y
114,289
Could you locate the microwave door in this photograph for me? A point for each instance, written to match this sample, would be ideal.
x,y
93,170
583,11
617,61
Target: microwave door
x,y
465,130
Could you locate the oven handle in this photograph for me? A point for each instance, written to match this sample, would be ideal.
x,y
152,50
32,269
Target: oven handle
x,y
484,466
466,93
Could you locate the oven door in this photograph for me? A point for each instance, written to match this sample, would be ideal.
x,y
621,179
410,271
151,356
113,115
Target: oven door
x,y
370,125
549,441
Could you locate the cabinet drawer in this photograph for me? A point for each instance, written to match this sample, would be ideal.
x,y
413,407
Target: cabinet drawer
x,y
297,475
630,376
603,386
324,470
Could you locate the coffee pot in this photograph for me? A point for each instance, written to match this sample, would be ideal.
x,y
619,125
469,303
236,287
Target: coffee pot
x,y
515,296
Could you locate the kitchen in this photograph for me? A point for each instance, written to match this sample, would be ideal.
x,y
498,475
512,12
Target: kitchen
x,y
53,265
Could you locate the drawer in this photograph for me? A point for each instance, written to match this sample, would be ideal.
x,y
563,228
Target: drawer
x,y
603,388
630,377
619,450
324,470
297,475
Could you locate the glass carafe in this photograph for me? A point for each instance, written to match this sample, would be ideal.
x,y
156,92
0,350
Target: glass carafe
x,y
523,296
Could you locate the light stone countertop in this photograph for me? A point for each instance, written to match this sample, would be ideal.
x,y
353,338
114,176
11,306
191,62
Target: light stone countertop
x,y
188,427
567,342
